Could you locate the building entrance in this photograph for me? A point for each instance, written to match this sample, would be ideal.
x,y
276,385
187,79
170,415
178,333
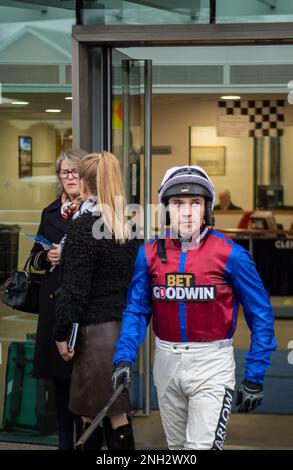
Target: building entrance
x,y
224,108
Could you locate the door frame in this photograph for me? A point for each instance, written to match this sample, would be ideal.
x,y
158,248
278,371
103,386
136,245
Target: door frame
x,y
188,34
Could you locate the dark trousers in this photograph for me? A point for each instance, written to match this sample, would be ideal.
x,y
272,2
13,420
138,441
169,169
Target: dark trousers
x,y
64,417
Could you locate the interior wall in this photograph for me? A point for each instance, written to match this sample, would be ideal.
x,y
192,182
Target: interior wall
x,y
22,199
287,164
172,117
171,122
238,176
27,193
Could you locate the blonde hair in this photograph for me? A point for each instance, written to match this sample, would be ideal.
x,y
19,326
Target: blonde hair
x,y
102,175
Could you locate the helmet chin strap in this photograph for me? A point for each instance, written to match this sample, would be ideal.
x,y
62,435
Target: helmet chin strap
x,y
184,239
198,237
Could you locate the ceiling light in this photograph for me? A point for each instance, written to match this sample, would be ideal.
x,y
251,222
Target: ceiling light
x,y
68,98
19,102
230,97
53,110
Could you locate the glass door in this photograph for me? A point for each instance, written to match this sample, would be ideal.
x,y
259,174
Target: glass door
x,y
131,143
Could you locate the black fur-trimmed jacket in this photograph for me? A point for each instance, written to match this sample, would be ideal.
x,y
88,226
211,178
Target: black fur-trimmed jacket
x,y
94,277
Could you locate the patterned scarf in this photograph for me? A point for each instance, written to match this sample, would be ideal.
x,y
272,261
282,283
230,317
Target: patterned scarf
x,y
89,205
69,207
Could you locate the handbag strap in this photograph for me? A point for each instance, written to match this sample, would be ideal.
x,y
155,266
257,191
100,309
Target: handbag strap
x,y
29,264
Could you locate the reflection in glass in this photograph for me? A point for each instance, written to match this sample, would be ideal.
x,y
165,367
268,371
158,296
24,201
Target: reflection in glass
x,y
145,12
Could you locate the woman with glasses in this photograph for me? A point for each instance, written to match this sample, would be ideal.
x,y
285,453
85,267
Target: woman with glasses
x,y
54,222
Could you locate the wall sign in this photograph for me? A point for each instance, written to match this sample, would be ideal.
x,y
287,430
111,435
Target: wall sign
x,y
25,160
211,159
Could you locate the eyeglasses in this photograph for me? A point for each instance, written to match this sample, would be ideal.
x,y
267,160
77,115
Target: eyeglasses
x,y
65,173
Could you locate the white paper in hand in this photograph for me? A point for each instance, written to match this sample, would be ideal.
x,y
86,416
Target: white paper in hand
x,y
73,335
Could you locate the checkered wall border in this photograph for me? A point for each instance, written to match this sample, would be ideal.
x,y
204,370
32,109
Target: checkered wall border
x,y
266,117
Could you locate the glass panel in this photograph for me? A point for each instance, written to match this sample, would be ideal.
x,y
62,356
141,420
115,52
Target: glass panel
x,y
146,12
35,64
128,121
160,11
269,190
254,11
128,112
188,83
40,4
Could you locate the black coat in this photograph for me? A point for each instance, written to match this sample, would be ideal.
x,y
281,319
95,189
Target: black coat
x,y
95,277
47,362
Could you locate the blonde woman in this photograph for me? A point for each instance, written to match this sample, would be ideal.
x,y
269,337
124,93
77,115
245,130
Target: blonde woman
x,y
97,263
53,226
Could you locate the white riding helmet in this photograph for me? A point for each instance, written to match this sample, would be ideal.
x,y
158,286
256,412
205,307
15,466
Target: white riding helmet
x,y
189,181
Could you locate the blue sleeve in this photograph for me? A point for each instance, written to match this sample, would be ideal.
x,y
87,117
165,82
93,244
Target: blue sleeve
x,y
258,314
137,313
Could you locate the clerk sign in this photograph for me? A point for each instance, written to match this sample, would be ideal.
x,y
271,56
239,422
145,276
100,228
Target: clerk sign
x,y
284,244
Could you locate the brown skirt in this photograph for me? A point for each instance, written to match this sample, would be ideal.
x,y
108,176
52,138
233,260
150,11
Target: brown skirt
x,y
91,380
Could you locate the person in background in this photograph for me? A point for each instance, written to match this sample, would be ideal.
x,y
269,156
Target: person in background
x,y
190,281
225,203
54,222
96,271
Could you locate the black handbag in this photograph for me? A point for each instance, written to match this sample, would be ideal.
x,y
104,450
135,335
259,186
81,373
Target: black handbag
x,y
22,289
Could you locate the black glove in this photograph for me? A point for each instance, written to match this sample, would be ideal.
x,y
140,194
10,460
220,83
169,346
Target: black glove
x,y
122,375
249,396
